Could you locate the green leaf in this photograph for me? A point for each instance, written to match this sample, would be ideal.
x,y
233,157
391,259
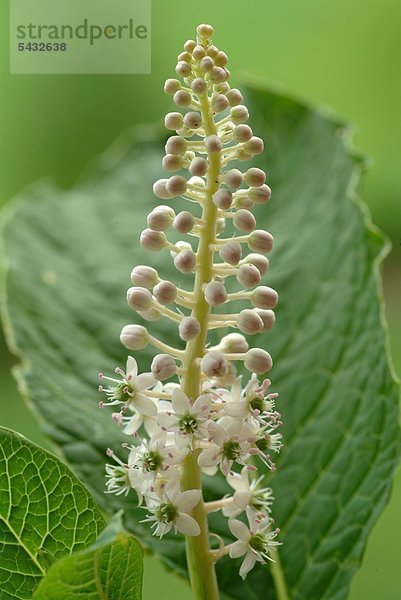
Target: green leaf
x,y
111,569
69,257
45,514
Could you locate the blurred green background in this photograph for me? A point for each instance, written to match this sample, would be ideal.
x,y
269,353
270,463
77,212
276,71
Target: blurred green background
x,y
343,54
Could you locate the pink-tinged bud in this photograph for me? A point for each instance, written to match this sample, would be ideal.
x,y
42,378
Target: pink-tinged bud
x,y
185,261
231,253
239,114
244,220
213,143
206,64
255,177
204,31
260,262
198,166
172,86
215,293
182,97
258,361
161,218
268,317
264,297
218,75
248,275
176,185
249,322
134,337
254,146
234,343
159,189
212,51
221,88
242,133
163,367
184,222
219,103
139,298
214,364
234,97
243,202
173,121
192,120
198,86
165,292
176,144
144,276
152,240
184,57
198,52
260,195
151,314
189,46
260,241
223,199
221,59
233,178
172,162
183,68
188,328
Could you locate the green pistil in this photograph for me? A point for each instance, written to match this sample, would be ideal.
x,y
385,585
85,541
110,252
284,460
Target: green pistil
x,y
231,450
166,513
152,461
258,542
263,444
122,392
188,424
257,403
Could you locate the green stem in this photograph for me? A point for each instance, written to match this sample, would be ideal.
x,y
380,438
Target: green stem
x,y
200,560
278,578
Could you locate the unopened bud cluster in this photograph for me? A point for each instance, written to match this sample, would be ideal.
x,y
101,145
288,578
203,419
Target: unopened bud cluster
x,y
227,425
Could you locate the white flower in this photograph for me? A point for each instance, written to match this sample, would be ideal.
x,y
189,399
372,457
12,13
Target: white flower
x,y
247,493
117,476
188,419
129,390
229,444
153,456
172,511
252,402
255,541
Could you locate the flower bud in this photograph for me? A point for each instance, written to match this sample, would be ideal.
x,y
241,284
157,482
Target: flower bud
x,y
258,361
249,321
242,133
144,276
260,195
171,86
243,202
206,64
260,241
239,114
218,75
198,166
185,261
212,51
220,225
255,177
176,144
163,367
234,97
165,292
182,97
161,218
151,314
219,103
248,275
172,162
134,337
173,121
233,343
205,31
222,88
193,120
188,328
260,262
215,293
198,52
184,57
176,185
244,220
223,198
268,317
159,189
189,46
139,298
233,178
264,297
152,240
221,59
231,253
198,86
214,364
213,143
184,222
254,146
183,68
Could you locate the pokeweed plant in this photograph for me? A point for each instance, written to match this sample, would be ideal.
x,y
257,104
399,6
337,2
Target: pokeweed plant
x,y
208,418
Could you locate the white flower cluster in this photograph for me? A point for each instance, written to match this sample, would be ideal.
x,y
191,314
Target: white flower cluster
x,y
224,425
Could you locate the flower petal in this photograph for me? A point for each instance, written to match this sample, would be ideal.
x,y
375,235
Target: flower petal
x,y
133,424
200,403
209,457
132,367
144,381
248,564
238,548
145,406
242,499
239,529
187,525
187,501
180,402
237,482
237,410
